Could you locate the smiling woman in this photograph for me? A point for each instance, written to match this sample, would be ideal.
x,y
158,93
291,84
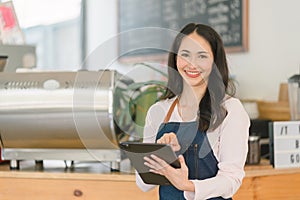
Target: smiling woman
x,y
200,119
53,27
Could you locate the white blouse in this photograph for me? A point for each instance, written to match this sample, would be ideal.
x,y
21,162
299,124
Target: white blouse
x,y
229,143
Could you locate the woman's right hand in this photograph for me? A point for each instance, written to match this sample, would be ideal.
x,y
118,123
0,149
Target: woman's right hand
x,y
171,139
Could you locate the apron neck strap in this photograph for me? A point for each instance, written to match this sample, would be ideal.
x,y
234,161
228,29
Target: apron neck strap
x,y
167,118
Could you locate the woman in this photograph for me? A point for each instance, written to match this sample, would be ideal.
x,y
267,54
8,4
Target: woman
x,y
204,124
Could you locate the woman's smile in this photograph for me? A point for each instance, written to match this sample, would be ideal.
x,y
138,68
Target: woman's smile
x,y
192,73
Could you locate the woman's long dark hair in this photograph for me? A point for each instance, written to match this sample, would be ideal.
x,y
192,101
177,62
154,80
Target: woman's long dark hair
x,y
212,113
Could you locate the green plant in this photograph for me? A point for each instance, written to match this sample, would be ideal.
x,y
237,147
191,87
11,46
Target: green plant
x,y
132,101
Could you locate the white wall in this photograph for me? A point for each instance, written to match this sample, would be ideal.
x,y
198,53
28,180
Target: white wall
x,y
274,49
57,45
274,44
102,23
102,29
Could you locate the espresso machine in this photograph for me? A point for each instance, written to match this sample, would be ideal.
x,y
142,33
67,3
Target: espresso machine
x,y
59,116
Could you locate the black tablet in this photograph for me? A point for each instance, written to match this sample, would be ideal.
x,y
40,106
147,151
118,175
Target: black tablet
x,y
136,151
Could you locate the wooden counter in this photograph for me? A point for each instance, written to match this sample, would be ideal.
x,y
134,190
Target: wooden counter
x,y
264,182
261,182
87,181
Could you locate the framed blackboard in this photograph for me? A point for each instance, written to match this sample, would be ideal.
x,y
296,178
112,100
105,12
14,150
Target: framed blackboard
x,y
228,17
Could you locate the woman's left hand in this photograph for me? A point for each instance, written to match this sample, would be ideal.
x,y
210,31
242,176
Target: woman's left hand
x,y
178,177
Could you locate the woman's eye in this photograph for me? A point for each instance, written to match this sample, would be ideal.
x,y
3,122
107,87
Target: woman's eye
x,y
202,56
184,55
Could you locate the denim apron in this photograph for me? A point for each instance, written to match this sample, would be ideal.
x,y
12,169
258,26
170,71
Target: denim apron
x,y
196,150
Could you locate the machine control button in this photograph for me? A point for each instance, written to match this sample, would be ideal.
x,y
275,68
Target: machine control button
x,y
51,84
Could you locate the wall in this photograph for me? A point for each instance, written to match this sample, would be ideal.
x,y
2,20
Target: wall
x,y
274,48
58,45
101,24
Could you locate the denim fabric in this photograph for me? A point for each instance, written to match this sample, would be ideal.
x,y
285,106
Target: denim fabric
x,y
197,152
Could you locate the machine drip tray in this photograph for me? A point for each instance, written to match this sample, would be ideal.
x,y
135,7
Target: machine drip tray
x,y
68,157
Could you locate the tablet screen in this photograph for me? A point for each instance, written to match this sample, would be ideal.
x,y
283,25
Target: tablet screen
x,y
136,151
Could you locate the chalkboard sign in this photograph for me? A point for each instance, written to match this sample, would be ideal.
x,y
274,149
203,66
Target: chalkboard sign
x,y
228,17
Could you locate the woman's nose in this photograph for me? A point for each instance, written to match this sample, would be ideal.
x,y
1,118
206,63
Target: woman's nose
x,y
192,62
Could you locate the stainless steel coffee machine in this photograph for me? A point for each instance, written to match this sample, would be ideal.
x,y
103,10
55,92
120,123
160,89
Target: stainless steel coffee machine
x,y
59,116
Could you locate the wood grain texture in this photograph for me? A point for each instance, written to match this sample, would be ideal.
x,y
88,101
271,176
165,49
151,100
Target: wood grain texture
x,y
64,189
261,182
276,186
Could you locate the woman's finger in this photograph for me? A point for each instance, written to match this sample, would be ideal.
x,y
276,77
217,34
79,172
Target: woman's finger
x,y
182,162
167,139
160,161
171,139
156,163
153,164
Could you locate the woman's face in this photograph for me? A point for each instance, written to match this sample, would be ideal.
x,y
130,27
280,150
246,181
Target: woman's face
x,y
195,60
